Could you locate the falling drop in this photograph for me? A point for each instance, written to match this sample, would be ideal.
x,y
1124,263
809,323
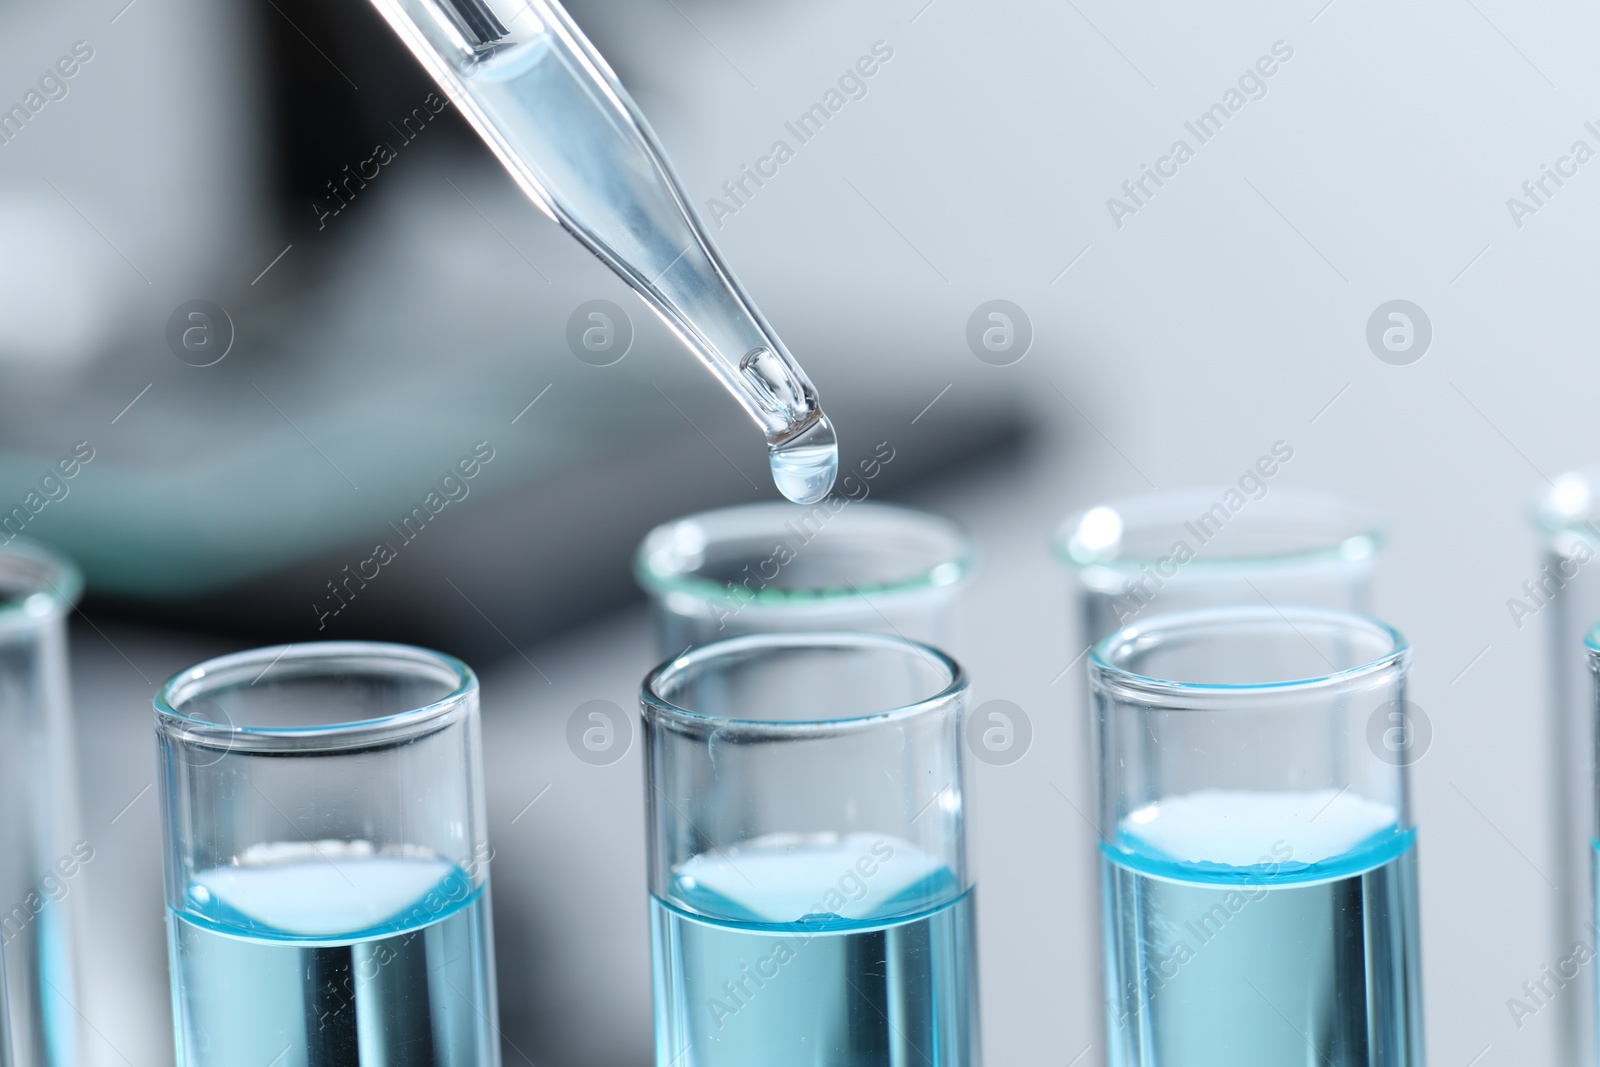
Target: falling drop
x,y
803,467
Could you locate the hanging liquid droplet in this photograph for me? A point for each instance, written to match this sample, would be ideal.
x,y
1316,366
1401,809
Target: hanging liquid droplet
x,y
804,466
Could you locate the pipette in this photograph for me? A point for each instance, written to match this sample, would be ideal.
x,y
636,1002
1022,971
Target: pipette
x,y
556,116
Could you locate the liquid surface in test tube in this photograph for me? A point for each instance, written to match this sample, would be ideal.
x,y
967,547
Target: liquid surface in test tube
x,y
346,959
609,185
1243,926
825,949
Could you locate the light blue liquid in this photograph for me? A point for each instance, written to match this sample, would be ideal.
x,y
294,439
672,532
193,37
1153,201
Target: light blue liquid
x,y
362,959
886,980
1308,957
1593,939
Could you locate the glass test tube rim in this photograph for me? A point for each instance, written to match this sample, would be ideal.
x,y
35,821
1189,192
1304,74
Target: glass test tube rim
x,y
1570,507
663,713
956,556
1172,694
308,660
46,585
1363,535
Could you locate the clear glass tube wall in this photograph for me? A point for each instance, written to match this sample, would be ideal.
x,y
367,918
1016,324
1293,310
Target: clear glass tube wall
x,y
810,890
782,568
1259,856
327,866
42,848
1561,602
1573,962
1224,545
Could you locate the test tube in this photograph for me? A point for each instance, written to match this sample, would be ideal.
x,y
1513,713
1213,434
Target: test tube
x,y
1565,596
327,871
42,850
1258,856
811,900
1246,543
1197,548
781,568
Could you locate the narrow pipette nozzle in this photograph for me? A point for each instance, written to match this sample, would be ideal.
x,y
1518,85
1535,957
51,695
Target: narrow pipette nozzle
x,y
556,116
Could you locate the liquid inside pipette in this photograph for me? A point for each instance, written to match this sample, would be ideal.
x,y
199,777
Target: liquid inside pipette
x,y
533,87
620,197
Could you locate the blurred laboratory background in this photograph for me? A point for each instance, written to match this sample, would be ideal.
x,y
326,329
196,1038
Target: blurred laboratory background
x,y
378,301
